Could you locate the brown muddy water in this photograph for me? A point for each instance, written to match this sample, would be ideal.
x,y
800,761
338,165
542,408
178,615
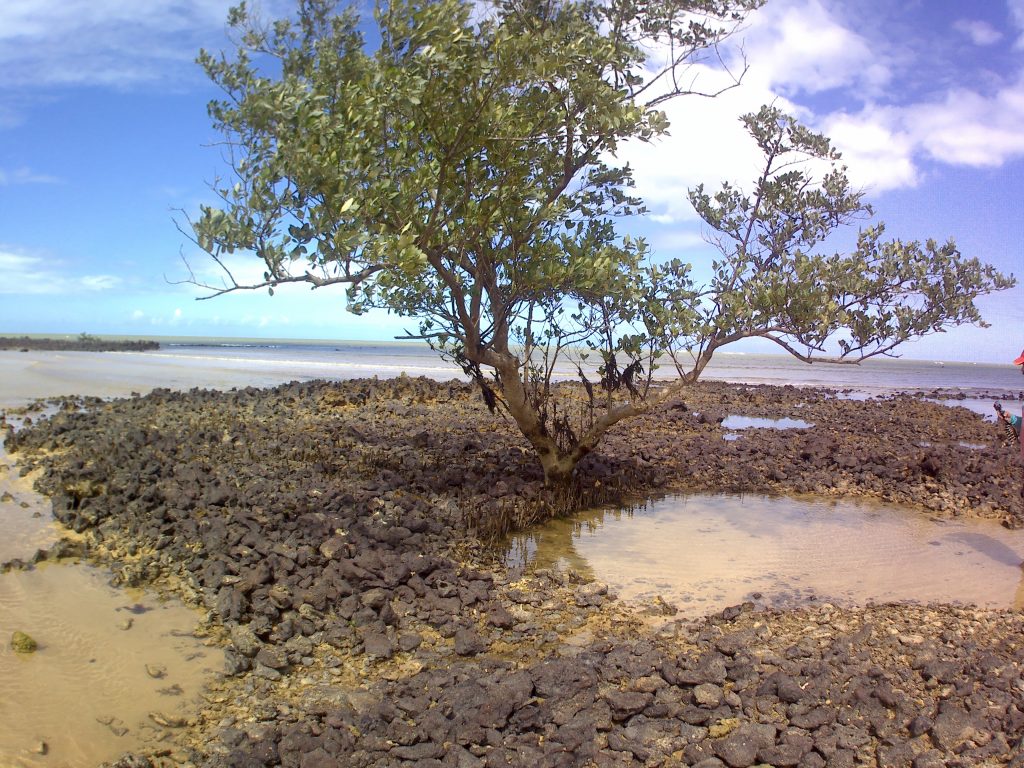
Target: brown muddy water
x,y
114,668
703,553
111,662
26,523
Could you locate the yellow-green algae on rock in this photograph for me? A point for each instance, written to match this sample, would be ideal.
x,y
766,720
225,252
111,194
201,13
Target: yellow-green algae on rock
x,y
22,643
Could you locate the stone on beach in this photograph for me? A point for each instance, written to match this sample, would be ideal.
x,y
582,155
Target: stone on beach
x,y
23,643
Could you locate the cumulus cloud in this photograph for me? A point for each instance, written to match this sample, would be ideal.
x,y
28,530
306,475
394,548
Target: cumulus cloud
x,y
27,274
876,148
798,47
666,169
826,72
885,146
967,128
795,50
979,32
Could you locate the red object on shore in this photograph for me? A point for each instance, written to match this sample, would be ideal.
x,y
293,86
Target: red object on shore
x,y
1020,359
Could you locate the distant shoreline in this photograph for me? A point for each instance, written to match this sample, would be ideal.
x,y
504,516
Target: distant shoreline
x,y
83,343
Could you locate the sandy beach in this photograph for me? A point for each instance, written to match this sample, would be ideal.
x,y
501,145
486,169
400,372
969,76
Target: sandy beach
x,y
325,529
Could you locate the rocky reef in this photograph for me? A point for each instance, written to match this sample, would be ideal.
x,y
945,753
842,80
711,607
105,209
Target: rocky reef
x,y
336,534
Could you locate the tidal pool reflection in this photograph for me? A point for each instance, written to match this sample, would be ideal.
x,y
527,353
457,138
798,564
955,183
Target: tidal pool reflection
x,y
702,553
755,422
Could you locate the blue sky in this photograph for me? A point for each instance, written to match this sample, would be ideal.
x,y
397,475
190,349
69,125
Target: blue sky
x,y
104,133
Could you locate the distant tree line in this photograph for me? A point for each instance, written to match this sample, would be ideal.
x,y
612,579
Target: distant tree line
x,y
81,343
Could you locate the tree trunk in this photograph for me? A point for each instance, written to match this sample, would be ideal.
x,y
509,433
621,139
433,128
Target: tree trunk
x,y
558,465
558,469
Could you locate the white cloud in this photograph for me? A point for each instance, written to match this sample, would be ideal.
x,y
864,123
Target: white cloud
x,y
161,317
1016,8
260,321
968,128
106,42
798,48
884,146
877,152
245,269
979,32
25,274
24,175
13,263
666,169
677,239
795,50
803,60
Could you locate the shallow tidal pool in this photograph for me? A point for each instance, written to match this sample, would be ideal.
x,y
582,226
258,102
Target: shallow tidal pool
x,y
114,668
702,553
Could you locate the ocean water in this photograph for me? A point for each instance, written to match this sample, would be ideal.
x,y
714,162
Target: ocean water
x,y
975,385
345,359
383,357
218,363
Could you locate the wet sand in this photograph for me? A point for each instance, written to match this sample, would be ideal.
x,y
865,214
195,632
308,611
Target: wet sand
x,y
26,522
85,696
115,669
28,376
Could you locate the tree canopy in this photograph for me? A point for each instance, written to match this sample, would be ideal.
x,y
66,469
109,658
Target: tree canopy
x,y
459,170
454,162
773,280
